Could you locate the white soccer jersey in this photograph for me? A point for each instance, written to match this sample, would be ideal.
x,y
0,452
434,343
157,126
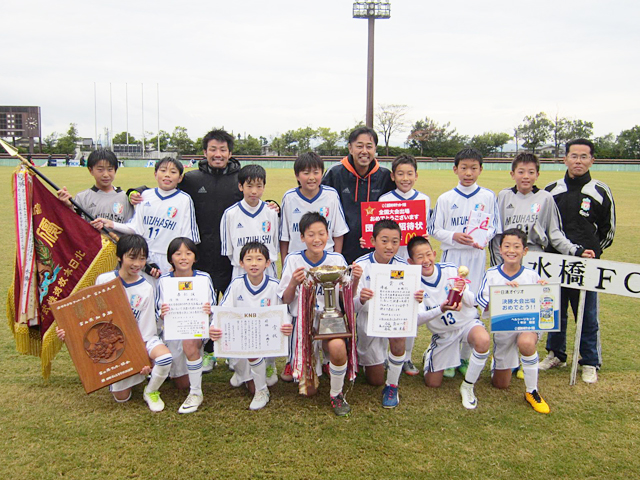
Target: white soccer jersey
x,y
496,276
536,214
296,260
113,205
366,261
160,298
412,194
141,301
436,289
294,205
242,224
242,293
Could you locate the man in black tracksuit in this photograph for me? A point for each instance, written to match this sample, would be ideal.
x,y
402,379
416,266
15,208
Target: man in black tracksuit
x,y
358,178
589,219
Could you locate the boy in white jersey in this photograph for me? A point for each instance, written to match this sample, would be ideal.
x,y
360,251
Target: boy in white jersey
x,y
132,251
533,211
253,289
450,324
448,224
250,220
314,233
372,351
507,344
310,196
103,199
404,172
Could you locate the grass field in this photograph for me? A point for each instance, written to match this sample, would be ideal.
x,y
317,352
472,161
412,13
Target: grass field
x,y
53,430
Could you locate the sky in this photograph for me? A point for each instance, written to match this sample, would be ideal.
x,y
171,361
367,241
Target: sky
x,y
265,67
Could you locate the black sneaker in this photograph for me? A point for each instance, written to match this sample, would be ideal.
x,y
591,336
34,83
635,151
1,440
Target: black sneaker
x,y
340,406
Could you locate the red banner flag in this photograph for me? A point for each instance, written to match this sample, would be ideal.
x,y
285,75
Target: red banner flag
x,y
57,253
411,215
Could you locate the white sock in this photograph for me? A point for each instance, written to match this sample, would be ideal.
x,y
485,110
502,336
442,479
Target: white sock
x,y
259,373
337,373
395,368
160,372
408,347
465,350
477,362
530,370
195,376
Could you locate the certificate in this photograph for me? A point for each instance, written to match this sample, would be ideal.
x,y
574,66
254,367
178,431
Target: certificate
x,y
186,296
393,311
478,227
251,332
533,308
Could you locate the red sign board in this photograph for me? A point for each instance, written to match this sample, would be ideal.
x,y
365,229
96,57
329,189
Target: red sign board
x,y
411,215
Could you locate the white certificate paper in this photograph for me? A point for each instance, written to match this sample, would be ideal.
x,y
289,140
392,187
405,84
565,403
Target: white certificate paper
x,y
478,227
186,296
393,311
251,332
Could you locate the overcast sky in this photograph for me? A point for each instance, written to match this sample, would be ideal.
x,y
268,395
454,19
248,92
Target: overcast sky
x,y
264,67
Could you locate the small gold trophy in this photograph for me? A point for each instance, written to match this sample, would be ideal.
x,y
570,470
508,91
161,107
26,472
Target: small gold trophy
x,y
455,294
330,322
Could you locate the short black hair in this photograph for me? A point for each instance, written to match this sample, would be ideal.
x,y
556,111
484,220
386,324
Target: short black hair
x,y
254,247
522,158
353,136
386,223
309,219
307,161
220,136
580,141
404,159
101,154
468,154
175,245
514,232
171,160
415,242
252,172
136,244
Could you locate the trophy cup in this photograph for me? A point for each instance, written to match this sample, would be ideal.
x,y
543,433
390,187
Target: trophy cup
x,y
330,322
455,295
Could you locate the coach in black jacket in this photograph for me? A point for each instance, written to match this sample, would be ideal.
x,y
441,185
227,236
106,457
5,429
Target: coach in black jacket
x,y
589,219
358,178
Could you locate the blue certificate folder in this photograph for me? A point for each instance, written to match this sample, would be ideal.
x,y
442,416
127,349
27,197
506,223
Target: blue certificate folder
x,y
532,308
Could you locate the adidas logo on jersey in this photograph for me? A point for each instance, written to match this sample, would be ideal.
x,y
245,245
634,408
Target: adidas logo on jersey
x,y
202,190
239,226
510,206
296,210
454,206
147,204
240,298
93,205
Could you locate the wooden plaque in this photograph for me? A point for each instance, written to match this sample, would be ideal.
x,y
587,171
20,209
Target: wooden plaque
x,y
101,334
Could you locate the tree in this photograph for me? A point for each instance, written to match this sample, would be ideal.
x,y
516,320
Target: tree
x,y
535,130
390,120
607,147
489,143
68,142
344,134
247,146
50,142
564,130
431,139
181,142
329,139
121,139
304,136
629,142
164,140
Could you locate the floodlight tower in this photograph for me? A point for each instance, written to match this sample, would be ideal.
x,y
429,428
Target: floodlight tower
x,y
371,10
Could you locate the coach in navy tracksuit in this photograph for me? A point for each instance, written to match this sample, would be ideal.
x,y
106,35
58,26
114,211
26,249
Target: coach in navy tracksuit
x,y
358,178
589,219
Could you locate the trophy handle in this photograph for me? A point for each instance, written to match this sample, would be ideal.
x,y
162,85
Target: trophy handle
x,y
346,278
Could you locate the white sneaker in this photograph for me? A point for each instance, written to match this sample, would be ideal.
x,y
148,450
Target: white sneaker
x,y
153,400
469,400
589,374
208,362
191,404
260,399
272,375
235,381
551,362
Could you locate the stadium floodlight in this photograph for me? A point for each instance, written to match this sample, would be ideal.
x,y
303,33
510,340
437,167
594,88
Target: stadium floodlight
x,y
371,10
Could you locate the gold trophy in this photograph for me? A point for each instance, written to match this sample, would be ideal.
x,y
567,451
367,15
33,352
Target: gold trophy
x,y
330,322
455,295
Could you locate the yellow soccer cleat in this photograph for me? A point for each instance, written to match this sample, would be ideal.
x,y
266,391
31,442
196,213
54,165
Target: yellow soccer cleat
x,y
537,402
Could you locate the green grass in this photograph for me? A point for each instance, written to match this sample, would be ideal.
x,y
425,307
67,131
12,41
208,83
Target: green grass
x,y
53,430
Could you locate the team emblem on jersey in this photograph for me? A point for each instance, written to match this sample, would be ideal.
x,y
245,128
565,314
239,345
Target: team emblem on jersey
x,y
479,207
135,300
266,226
535,208
117,208
324,211
585,206
265,302
172,212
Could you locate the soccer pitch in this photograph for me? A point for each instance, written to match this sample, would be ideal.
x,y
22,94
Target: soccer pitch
x,y
52,429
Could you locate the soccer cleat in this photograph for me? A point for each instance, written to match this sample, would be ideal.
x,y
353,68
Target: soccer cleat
x,y
520,373
235,381
340,406
287,374
208,362
153,400
449,372
536,401
390,396
589,374
469,400
260,399
551,361
462,368
191,404
272,375
409,368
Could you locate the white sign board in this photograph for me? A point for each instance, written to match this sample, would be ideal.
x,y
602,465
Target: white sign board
x,y
525,308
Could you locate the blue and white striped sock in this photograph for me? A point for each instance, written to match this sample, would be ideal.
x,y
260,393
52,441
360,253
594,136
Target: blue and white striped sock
x,y
195,376
530,370
160,372
395,368
477,362
337,373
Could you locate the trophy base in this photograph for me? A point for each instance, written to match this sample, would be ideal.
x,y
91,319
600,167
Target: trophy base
x,y
330,326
